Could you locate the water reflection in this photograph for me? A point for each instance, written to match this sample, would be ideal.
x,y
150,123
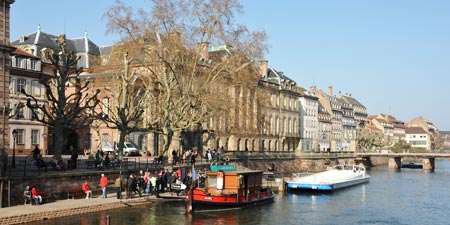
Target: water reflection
x,y
390,197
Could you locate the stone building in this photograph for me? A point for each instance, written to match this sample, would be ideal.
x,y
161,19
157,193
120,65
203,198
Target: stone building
x,y
381,123
334,107
359,110
5,50
324,131
349,126
42,45
309,122
282,117
25,72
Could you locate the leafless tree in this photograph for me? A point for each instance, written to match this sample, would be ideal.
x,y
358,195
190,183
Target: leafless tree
x,y
189,85
129,99
69,103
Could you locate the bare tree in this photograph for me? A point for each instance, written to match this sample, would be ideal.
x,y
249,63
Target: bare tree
x,y
130,98
69,103
189,85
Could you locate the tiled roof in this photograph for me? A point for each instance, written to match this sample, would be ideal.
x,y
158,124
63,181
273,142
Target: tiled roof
x,y
46,40
352,101
19,51
414,130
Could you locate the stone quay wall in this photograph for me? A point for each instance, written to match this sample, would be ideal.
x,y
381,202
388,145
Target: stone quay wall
x,y
39,216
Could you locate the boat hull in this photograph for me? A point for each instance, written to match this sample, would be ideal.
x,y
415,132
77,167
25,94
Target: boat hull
x,y
326,187
201,200
329,180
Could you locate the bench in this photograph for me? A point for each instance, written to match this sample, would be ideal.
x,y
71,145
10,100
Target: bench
x,y
74,192
45,197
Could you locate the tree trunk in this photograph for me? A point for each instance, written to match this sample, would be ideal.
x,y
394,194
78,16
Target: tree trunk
x,y
121,143
59,141
167,136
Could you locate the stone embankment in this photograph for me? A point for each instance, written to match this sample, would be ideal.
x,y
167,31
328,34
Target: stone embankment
x,y
62,208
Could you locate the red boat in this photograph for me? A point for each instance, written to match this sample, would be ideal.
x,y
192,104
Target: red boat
x,y
226,187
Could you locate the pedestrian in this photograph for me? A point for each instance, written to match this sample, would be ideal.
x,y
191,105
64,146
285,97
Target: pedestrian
x,y
87,189
103,184
130,184
119,187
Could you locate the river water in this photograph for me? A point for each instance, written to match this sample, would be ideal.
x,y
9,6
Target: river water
x,y
409,196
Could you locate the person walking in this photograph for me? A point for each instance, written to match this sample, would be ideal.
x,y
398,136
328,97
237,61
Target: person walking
x,y
119,187
87,189
103,184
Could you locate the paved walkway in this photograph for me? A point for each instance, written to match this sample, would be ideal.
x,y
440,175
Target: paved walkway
x,y
66,204
68,207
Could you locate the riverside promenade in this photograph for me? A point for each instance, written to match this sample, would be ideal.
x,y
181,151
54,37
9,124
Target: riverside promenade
x,y
56,181
68,207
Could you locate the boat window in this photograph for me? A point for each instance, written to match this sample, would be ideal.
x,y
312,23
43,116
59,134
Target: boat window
x,y
212,181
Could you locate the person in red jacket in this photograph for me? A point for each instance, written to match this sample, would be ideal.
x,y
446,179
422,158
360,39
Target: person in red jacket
x,y
103,184
36,196
87,190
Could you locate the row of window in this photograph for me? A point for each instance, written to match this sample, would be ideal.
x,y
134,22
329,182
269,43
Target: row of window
x,y
30,86
24,63
20,111
21,134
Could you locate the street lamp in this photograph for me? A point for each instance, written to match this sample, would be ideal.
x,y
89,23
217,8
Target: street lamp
x,y
13,162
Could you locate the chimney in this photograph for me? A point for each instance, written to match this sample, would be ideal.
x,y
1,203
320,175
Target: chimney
x,y
312,89
340,94
203,50
330,90
263,68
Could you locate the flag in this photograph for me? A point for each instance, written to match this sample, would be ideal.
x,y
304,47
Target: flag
x,y
194,175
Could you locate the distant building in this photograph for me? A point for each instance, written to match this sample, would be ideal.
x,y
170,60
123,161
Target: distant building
x,y
349,126
418,138
282,116
309,122
334,107
382,124
324,138
429,127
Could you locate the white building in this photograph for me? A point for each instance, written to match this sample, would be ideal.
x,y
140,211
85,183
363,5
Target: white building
x,y
417,137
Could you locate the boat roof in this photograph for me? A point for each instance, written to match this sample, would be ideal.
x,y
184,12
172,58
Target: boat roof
x,y
222,168
230,169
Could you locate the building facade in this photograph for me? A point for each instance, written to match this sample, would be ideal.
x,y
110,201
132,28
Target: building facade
x,y
309,122
25,72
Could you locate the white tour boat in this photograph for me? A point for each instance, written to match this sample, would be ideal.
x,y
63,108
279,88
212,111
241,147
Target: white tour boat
x,y
340,176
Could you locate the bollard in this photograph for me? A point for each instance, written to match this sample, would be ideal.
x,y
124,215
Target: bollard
x,y
108,220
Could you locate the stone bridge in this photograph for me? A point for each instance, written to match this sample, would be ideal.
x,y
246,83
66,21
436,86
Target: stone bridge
x,y
395,159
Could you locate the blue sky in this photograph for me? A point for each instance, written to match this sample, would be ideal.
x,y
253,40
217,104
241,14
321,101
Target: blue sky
x,y
393,56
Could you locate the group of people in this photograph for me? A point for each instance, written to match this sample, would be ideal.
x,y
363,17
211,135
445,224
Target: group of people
x,y
144,182
32,195
216,156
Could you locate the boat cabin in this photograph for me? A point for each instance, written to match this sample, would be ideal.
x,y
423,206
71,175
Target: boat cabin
x,y
226,180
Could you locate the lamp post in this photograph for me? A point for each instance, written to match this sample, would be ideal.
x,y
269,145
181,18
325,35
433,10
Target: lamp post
x,y
13,162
